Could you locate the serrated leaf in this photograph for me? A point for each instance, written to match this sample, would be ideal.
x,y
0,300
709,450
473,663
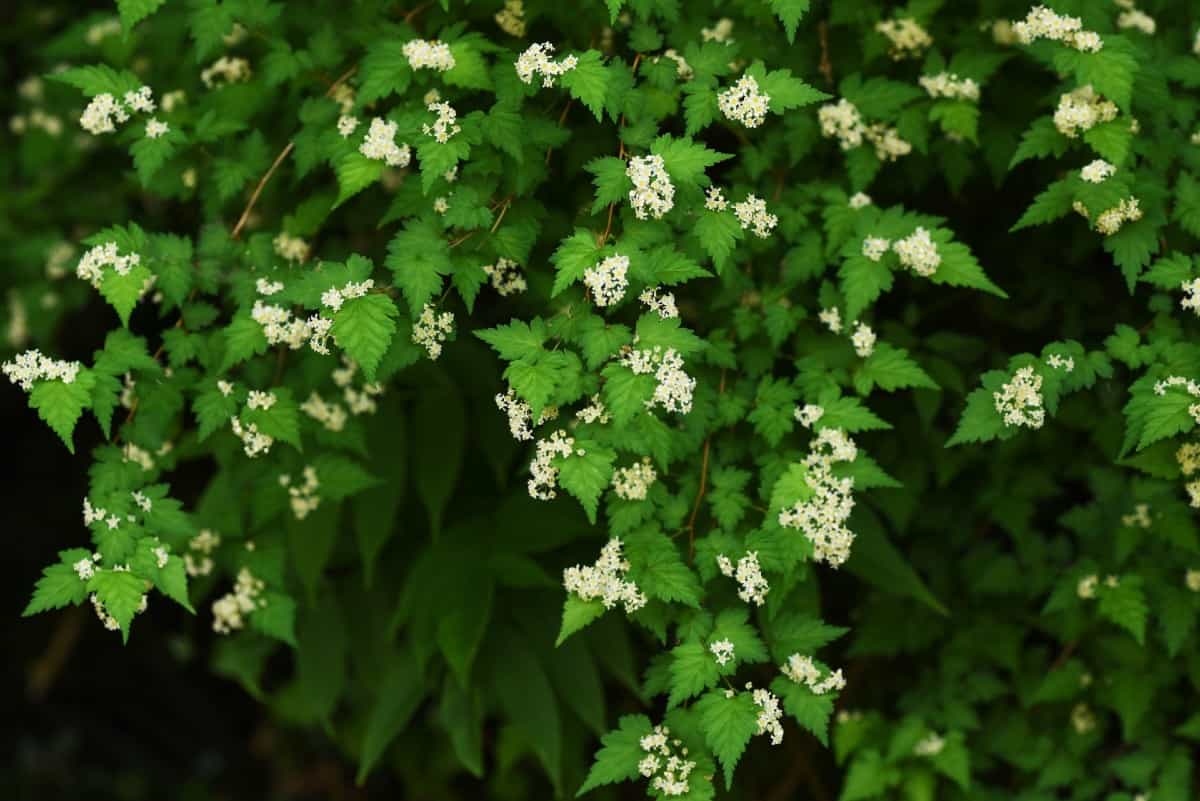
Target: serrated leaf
x,y
620,752
586,473
60,404
728,725
588,82
363,328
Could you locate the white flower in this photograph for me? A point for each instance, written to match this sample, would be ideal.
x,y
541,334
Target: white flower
x,y
918,252
607,280
441,205
331,415
260,400
949,85
808,415
929,746
859,200
1066,364
1019,402
254,443
91,266
141,501
653,194
721,31
290,248
229,610
30,366
1082,109
425,54
743,103
605,580
1138,20
506,277
303,497
520,415
722,651
1191,580
863,340
1138,518
663,304
431,329
633,482
682,68
380,144
873,247
543,474
769,715
842,121
226,70
832,319
1191,299
752,585
666,754
1086,588
84,569
906,36
267,288
536,61
1082,718
1111,220
346,125
1097,171
714,199
511,18
155,128
1042,23
100,114
674,390
822,517
802,670
445,126
752,215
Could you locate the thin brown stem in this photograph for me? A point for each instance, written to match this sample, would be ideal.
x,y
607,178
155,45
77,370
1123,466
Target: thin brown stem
x,y
825,66
691,525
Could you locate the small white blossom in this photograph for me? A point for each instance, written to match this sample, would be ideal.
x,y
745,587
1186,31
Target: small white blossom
x,y
1138,518
1019,402
1042,23
91,266
752,215
431,329
331,415
346,125
929,746
1191,298
1138,20
860,200
290,248
254,443
441,205
1191,580
1082,718
511,18
229,610
425,54
675,387
1082,109
808,415
666,755
714,199
918,252
156,128
303,497
907,38
663,304
832,319
605,580
84,568
873,247
653,194
633,482
752,585
822,517
260,400
380,144
949,85
743,103
536,61
445,126
30,366
1097,171
1111,220
863,340
226,70
1066,364
506,277
770,713
722,651
607,281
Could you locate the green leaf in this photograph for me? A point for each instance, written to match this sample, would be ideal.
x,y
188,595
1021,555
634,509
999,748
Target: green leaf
x,y
890,368
121,593
439,425
98,79
693,670
866,778
59,585
586,473
686,160
244,338
517,339
577,613
863,281
588,82
612,187
150,154
659,571
787,92
384,71
124,291
60,405
774,408
728,725
620,752
1053,203
355,172
1042,139
718,233
418,257
213,411
393,706
1125,605
789,13
810,710
281,421
363,327
470,70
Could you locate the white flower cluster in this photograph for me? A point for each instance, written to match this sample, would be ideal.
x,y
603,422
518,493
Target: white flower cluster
x,y
1138,20
1019,402
769,714
1066,364
802,670
334,297
281,328
331,415
91,266
1083,719
290,248
822,518
51,124
863,339
1080,110
1139,517
653,194
95,514
520,415
225,70
605,580
303,497
142,502
809,414
511,18
536,61
254,442
260,400
198,560
873,247
918,252
929,746
682,68
842,121
594,412
607,281
441,205
860,200
1191,298
743,103
1191,580
380,144
431,329
32,365
752,214
156,128
543,475
425,54
633,482
906,36
674,390
359,402
831,318
949,85
104,109
1111,220
714,199
506,277
752,585
722,651
267,288
663,304
230,609
85,568
445,126
661,755
721,32
346,125
1042,23
1097,171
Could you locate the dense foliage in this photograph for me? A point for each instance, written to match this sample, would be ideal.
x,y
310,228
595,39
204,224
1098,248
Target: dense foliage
x,y
684,398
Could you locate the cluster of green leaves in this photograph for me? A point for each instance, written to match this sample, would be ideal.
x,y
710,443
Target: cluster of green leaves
x,y
420,603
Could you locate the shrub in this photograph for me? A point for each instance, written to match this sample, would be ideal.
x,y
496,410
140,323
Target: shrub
x,y
625,392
